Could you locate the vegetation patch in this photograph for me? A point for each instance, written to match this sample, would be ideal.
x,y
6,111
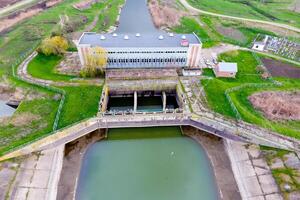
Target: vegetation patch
x,y
277,105
216,89
81,103
43,67
190,25
33,119
276,10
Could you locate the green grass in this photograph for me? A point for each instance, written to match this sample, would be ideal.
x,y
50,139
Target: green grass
x,y
208,72
189,25
26,34
215,93
277,10
13,135
43,67
248,33
142,133
81,103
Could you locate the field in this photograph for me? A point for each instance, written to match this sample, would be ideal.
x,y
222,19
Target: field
x,y
212,31
277,10
81,102
280,69
215,92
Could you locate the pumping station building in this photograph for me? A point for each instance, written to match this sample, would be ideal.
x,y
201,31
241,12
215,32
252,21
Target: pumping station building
x,y
135,50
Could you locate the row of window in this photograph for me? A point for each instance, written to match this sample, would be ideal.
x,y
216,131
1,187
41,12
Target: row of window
x,y
126,52
147,60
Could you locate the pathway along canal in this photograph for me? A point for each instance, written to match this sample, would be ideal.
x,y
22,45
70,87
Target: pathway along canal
x,y
146,163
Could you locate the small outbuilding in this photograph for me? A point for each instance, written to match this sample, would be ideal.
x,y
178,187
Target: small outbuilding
x,y
226,69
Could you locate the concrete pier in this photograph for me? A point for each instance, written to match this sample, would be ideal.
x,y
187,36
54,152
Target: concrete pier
x,y
164,99
135,101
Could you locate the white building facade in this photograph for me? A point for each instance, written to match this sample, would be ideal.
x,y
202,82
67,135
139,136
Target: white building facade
x,y
143,51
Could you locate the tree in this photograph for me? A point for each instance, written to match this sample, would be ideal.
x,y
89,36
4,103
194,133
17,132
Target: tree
x,y
97,58
56,45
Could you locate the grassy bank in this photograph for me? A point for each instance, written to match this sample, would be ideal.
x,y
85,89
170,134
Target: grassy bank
x,y
43,67
81,103
277,10
215,92
32,120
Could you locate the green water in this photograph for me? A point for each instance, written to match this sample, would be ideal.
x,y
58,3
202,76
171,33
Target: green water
x,y
146,164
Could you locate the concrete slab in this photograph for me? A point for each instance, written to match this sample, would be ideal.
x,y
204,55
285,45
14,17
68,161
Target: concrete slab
x,y
5,175
276,163
274,197
21,194
29,163
246,168
261,171
294,195
260,163
252,187
256,198
268,184
292,161
24,177
45,160
254,151
35,194
40,179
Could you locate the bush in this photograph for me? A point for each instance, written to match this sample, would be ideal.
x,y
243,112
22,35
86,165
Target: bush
x,y
56,45
89,72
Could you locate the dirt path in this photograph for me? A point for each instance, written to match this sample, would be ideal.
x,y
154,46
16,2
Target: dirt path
x,y
191,8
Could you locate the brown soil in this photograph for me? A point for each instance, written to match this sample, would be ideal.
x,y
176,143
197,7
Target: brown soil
x,y
4,3
163,15
15,18
280,69
70,64
85,4
277,105
231,33
74,152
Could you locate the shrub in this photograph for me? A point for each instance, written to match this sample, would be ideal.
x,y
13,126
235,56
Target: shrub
x,y
56,45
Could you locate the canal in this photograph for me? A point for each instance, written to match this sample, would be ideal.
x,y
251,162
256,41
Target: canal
x,y
146,163
5,110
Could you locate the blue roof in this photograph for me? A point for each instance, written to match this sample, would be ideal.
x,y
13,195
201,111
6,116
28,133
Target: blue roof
x,y
144,40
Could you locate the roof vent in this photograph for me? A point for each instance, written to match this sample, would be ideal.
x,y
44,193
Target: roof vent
x,y
138,35
183,37
171,34
126,37
102,37
161,37
115,35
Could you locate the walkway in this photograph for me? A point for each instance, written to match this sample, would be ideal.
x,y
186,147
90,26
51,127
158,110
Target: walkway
x,y
191,8
237,132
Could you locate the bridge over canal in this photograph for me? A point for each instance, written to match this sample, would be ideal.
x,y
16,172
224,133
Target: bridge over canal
x,y
239,131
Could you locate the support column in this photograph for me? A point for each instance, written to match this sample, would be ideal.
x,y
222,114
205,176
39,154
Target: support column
x,y
135,101
164,100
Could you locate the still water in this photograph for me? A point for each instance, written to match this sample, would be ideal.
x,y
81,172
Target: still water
x,y
5,110
146,164
135,18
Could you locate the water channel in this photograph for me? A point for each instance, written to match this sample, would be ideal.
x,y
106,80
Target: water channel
x,y
5,110
145,163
